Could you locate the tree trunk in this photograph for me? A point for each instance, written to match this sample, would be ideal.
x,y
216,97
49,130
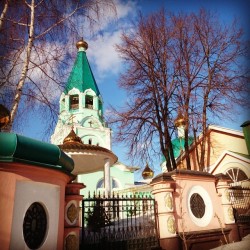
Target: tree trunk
x,y
24,72
6,5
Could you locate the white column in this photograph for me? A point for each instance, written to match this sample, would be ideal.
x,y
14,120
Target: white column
x,y
107,176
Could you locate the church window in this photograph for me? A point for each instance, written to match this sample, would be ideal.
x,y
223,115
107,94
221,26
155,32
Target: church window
x,y
89,102
74,102
197,205
90,141
236,175
35,225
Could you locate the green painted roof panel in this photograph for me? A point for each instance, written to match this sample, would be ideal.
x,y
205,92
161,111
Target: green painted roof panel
x,y
18,148
81,76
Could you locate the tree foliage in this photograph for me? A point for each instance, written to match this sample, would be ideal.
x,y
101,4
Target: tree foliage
x,y
189,63
34,36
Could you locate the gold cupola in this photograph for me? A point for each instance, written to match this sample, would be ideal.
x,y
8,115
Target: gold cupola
x,y
180,124
82,45
147,173
180,120
4,116
72,138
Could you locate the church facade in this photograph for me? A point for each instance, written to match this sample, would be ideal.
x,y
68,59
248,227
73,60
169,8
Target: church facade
x,y
81,110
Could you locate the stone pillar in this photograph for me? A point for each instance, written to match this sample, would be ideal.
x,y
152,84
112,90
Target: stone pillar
x,y
222,187
71,217
67,108
163,193
107,176
95,103
82,100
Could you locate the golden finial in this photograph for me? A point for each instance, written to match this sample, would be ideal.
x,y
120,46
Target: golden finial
x,y
72,137
82,45
4,116
180,120
147,173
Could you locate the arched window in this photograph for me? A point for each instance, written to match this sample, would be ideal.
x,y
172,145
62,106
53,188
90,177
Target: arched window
x,y
74,102
115,183
90,141
236,174
89,102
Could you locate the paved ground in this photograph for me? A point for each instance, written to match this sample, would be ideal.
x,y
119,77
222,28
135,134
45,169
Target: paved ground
x,y
241,245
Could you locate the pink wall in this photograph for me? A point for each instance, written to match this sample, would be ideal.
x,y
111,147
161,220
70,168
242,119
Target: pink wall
x,y
10,173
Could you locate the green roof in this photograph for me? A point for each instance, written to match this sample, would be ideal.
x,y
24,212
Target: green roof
x,y
178,146
18,148
81,76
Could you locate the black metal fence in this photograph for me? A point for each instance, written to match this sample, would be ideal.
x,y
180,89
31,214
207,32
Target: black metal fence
x,y
119,223
240,198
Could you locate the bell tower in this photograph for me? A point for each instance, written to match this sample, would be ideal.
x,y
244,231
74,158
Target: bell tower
x,y
81,105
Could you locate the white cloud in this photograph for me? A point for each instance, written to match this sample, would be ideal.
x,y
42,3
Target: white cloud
x,y
125,8
108,18
103,55
101,50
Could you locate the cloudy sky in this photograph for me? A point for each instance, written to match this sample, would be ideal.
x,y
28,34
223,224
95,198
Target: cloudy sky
x,y
107,65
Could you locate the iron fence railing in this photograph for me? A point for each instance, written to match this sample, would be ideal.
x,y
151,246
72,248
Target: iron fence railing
x,y
240,199
119,222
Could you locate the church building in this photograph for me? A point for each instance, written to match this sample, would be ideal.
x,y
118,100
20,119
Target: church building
x,y
83,134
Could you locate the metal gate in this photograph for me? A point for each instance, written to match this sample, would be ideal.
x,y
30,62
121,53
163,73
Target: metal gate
x,y
240,198
120,223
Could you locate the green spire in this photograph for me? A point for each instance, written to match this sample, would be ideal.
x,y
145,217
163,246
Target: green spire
x,y
81,76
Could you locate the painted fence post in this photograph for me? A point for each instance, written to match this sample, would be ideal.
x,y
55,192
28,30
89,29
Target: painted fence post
x,y
222,187
71,219
163,190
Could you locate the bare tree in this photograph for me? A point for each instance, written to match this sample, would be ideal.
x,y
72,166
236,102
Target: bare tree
x,y
181,62
33,56
211,73
150,81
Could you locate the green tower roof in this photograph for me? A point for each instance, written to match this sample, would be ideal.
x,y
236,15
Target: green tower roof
x,y
81,76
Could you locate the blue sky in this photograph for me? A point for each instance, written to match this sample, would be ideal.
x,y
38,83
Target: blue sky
x,y
107,65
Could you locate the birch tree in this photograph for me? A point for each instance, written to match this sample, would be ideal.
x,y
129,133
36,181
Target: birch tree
x,y
33,55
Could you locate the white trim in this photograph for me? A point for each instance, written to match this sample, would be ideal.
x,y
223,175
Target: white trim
x,y
74,91
225,130
90,92
205,220
213,167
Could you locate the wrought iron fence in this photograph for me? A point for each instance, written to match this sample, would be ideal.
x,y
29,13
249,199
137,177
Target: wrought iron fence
x,y
240,198
119,222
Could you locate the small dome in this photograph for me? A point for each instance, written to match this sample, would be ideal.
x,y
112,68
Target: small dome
x,y
4,116
147,173
180,120
72,138
82,44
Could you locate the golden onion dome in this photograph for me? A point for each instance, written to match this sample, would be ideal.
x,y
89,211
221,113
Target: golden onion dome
x,y
82,44
180,120
147,173
4,116
72,138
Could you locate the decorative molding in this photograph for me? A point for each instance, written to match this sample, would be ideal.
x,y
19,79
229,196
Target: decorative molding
x,y
71,242
171,225
72,213
168,201
230,213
